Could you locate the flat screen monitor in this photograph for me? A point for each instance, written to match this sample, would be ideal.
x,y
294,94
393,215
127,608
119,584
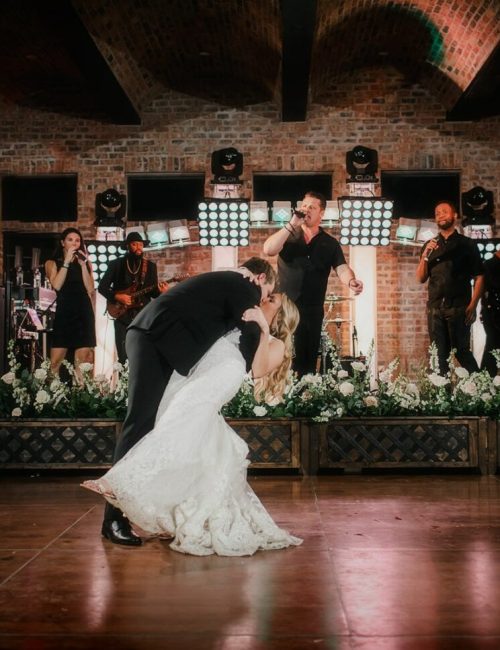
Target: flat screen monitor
x,y
164,197
290,187
47,197
416,192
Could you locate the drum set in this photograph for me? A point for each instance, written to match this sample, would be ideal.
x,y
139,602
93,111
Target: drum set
x,y
333,338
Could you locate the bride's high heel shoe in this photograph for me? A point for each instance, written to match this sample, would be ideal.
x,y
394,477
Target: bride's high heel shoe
x,y
100,488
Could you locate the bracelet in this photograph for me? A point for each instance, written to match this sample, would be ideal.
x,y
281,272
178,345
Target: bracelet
x,y
65,266
292,232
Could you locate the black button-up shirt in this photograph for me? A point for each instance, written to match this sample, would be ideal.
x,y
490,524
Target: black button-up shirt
x,y
303,268
451,267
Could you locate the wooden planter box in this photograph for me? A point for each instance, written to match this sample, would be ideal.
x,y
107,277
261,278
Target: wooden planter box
x,y
400,442
274,444
57,443
73,444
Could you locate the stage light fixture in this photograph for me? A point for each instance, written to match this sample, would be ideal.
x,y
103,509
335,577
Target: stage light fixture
x,y
427,230
179,232
227,166
488,247
282,211
100,255
365,221
477,207
223,222
157,235
110,208
331,214
407,230
362,165
259,212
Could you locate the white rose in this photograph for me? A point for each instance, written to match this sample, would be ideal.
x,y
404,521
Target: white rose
x,y
55,384
86,367
16,413
259,411
358,365
370,400
346,388
438,380
485,397
469,388
412,389
40,374
461,373
8,378
340,412
42,397
342,374
496,380
117,366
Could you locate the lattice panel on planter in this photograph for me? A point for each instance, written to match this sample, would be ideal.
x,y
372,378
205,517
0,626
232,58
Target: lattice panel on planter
x,y
404,441
272,443
56,444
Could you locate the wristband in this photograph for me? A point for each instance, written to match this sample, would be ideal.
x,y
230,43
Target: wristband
x,y
65,266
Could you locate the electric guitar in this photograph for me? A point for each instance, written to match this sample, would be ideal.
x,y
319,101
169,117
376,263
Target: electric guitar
x,y
118,309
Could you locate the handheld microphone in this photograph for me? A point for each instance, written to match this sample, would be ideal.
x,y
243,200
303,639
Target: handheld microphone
x,y
299,214
81,255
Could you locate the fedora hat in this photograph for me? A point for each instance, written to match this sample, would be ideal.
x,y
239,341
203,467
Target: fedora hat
x,y
131,237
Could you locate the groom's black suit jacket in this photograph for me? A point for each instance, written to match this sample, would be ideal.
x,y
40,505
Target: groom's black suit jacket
x,y
186,321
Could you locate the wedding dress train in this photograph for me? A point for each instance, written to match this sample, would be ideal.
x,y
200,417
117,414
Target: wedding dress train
x,y
187,478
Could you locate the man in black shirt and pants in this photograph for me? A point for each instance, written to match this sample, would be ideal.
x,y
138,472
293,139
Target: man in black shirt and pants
x,y
490,313
450,261
306,256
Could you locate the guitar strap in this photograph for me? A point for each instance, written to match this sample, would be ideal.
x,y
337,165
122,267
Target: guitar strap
x,y
144,269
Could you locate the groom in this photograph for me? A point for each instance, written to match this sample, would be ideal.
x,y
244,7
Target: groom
x,y
172,333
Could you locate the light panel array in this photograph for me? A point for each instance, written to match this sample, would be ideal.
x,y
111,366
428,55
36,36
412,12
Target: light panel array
x,y
100,255
488,247
223,222
365,221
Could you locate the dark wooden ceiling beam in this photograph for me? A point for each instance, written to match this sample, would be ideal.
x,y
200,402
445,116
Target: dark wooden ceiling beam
x,y
482,96
93,66
299,20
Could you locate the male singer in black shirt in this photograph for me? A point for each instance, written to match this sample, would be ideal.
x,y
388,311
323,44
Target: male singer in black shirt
x,y
450,261
306,256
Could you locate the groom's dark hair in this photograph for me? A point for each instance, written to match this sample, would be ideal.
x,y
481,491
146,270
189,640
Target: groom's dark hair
x,y
257,266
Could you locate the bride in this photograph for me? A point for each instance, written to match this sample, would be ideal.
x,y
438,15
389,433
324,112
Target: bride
x,y
186,479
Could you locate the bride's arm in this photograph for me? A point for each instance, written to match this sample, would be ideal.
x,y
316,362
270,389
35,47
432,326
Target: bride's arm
x,y
270,352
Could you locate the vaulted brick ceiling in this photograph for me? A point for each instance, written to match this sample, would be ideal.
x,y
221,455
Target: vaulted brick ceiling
x,y
108,59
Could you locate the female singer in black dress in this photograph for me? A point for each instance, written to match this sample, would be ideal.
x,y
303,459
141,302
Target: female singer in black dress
x,y
70,274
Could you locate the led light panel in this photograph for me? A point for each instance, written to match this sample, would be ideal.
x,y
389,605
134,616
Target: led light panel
x,y
365,221
488,247
224,222
100,255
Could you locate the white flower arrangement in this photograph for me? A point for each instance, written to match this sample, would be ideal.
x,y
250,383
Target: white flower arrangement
x,y
42,394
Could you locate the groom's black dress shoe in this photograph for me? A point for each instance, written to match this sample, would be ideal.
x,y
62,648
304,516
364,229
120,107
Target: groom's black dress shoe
x,y
119,532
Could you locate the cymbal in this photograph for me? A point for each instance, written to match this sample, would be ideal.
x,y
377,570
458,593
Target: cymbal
x,y
337,321
331,297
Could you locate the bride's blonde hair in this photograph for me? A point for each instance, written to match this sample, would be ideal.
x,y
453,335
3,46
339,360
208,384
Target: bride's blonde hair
x,y
271,387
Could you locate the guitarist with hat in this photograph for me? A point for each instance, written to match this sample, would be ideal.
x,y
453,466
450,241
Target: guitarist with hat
x,y
129,283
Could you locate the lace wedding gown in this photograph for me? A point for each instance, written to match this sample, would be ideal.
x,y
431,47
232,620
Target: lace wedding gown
x,y
187,477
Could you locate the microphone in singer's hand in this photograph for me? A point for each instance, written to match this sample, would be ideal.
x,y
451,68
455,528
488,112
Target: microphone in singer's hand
x,y
299,214
81,255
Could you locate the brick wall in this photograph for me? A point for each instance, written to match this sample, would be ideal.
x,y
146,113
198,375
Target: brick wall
x,y
376,108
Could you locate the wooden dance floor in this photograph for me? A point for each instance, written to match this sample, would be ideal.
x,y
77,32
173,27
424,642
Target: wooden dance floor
x,y
392,562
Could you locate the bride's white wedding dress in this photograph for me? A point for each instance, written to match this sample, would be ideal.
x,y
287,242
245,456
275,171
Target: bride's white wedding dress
x,y
187,477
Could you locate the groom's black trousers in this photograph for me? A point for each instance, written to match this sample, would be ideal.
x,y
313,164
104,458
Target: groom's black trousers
x,y
149,374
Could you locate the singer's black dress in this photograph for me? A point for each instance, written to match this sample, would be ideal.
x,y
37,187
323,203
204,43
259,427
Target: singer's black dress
x,y
74,323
